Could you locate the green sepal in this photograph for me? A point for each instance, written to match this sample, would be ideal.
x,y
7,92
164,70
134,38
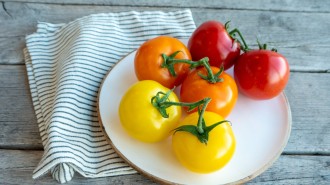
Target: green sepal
x,y
211,127
161,102
170,67
227,26
216,77
202,137
264,46
220,71
155,101
201,131
203,76
192,129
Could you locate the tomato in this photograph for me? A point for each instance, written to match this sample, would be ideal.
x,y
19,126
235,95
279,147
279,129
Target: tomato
x,y
148,61
223,94
200,157
261,74
212,40
141,119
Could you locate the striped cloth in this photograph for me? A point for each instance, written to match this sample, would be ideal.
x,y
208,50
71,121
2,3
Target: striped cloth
x,y
65,65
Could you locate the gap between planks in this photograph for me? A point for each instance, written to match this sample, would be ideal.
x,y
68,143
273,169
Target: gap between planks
x,y
160,4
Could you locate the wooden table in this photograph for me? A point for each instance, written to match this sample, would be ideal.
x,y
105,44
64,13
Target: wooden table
x,y
299,29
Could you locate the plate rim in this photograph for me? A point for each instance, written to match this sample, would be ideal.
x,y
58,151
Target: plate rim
x,y
167,182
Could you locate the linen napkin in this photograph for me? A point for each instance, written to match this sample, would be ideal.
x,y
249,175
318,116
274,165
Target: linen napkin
x,y
65,65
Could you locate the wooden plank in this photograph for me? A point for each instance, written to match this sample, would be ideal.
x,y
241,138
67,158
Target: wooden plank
x,y
17,166
18,122
306,93
308,96
11,50
297,169
285,30
281,5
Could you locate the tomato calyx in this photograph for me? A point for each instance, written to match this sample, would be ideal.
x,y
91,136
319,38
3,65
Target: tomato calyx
x,y
161,102
201,131
212,78
233,34
169,62
264,46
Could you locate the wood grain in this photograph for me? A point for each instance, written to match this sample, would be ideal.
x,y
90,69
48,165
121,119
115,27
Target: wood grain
x,y
297,35
17,167
299,29
306,91
280,5
18,122
296,169
307,94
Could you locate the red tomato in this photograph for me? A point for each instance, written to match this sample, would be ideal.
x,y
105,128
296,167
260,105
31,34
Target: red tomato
x,y
212,40
261,74
148,61
223,94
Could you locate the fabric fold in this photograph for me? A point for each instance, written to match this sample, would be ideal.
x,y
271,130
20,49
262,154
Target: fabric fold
x,y
65,65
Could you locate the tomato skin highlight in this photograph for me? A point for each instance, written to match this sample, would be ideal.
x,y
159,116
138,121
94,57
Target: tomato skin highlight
x,y
199,157
223,94
148,61
212,40
261,74
140,119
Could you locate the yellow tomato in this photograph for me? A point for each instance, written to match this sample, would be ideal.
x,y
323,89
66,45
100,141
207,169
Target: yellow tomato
x,y
141,119
200,157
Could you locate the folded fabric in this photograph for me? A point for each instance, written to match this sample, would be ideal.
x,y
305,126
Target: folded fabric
x,y
66,64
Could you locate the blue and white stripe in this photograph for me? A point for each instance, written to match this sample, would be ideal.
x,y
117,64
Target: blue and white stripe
x,y
66,64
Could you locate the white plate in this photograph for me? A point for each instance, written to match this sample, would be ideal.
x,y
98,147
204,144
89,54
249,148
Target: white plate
x,y
261,128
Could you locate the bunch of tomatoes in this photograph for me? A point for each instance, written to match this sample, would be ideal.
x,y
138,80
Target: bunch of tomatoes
x,y
150,111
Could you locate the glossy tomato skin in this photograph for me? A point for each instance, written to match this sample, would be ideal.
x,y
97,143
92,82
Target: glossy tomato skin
x,y
199,157
148,61
212,40
223,94
261,74
140,119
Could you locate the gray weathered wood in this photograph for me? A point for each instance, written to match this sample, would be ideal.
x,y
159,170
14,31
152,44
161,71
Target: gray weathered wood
x,y
296,169
298,28
306,93
11,50
17,167
280,5
18,122
298,35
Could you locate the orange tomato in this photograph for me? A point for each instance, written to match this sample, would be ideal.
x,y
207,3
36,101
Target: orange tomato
x,y
148,61
223,94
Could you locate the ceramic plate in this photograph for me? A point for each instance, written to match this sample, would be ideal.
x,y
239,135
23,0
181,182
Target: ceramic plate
x,y
261,128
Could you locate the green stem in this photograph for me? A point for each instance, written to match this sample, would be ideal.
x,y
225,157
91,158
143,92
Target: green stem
x,y
210,76
200,125
201,131
169,62
161,102
190,106
232,34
